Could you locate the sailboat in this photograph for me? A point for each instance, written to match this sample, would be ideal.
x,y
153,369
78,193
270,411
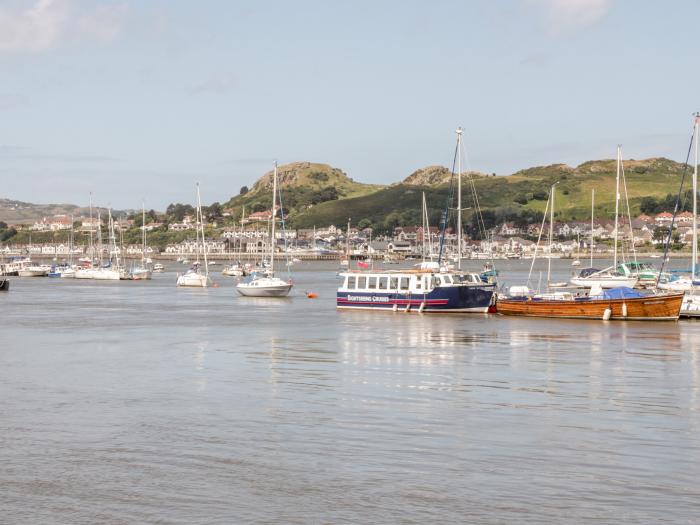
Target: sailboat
x,y
345,261
112,270
691,302
143,272
87,270
427,262
268,285
194,276
609,277
620,303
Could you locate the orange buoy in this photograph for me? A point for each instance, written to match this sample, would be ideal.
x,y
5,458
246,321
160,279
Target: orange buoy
x,y
311,295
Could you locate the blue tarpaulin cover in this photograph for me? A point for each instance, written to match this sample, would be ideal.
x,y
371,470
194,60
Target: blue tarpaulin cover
x,y
621,292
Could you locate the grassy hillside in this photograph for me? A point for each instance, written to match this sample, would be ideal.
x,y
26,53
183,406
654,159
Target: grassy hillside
x,y
522,192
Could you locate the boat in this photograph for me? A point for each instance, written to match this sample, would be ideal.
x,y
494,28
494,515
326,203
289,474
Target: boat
x,y
34,271
4,285
194,276
691,302
268,285
606,278
422,291
429,288
158,268
234,270
610,277
143,272
617,304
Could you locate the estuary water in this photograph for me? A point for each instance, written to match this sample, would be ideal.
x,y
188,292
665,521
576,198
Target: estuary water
x,y
137,402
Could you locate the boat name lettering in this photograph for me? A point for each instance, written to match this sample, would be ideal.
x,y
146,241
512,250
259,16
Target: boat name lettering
x,y
369,298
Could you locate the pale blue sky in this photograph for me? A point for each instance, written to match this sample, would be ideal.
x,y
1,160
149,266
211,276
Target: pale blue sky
x,y
140,99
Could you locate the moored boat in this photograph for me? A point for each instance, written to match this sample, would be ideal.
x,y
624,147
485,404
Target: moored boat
x,y
619,304
415,290
4,285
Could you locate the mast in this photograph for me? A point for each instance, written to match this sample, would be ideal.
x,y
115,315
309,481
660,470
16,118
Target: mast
x,y
347,242
695,201
201,225
592,212
143,227
617,203
459,198
551,236
425,224
272,227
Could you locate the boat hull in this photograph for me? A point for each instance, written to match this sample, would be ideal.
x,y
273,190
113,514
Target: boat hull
x,y
280,290
449,299
28,272
193,281
690,308
605,282
4,285
651,308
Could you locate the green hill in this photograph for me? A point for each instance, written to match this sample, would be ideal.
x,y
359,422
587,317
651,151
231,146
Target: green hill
x,y
523,193
303,185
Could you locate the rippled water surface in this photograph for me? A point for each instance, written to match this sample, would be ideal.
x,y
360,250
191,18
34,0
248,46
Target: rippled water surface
x,y
137,402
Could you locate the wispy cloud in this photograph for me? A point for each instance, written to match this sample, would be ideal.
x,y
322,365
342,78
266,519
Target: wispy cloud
x,y
47,23
21,153
563,16
9,101
217,84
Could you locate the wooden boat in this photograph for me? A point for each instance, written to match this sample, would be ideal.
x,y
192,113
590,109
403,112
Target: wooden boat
x,y
663,307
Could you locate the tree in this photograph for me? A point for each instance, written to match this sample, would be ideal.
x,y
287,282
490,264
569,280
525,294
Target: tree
x,y
3,225
244,190
364,223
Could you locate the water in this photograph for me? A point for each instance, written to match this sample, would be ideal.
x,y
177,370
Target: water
x,y
137,402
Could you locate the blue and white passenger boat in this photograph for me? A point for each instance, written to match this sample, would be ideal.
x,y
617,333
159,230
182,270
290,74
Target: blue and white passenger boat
x,y
415,291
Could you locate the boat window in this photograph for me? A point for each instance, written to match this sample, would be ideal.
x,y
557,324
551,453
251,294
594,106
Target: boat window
x,y
352,282
362,282
403,283
434,282
447,279
394,283
373,283
383,283
419,284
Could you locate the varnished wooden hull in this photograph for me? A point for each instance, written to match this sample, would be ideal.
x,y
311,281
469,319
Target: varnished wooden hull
x,y
651,308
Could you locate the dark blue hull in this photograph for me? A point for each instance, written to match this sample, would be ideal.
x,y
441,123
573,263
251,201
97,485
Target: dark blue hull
x,y
449,299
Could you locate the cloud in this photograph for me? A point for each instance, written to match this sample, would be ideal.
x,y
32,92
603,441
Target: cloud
x,y
21,153
218,84
47,23
570,15
9,101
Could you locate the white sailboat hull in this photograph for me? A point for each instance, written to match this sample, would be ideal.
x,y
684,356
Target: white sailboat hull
x,y
106,274
604,282
690,307
194,280
68,273
141,274
32,272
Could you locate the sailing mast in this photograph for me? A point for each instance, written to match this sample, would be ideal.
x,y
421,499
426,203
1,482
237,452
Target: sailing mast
x,y
143,227
347,243
592,212
617,204
551,236
695,202
425,226
201,225
272,227
459,198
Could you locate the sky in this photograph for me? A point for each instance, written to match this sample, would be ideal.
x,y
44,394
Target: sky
x,y
138,100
